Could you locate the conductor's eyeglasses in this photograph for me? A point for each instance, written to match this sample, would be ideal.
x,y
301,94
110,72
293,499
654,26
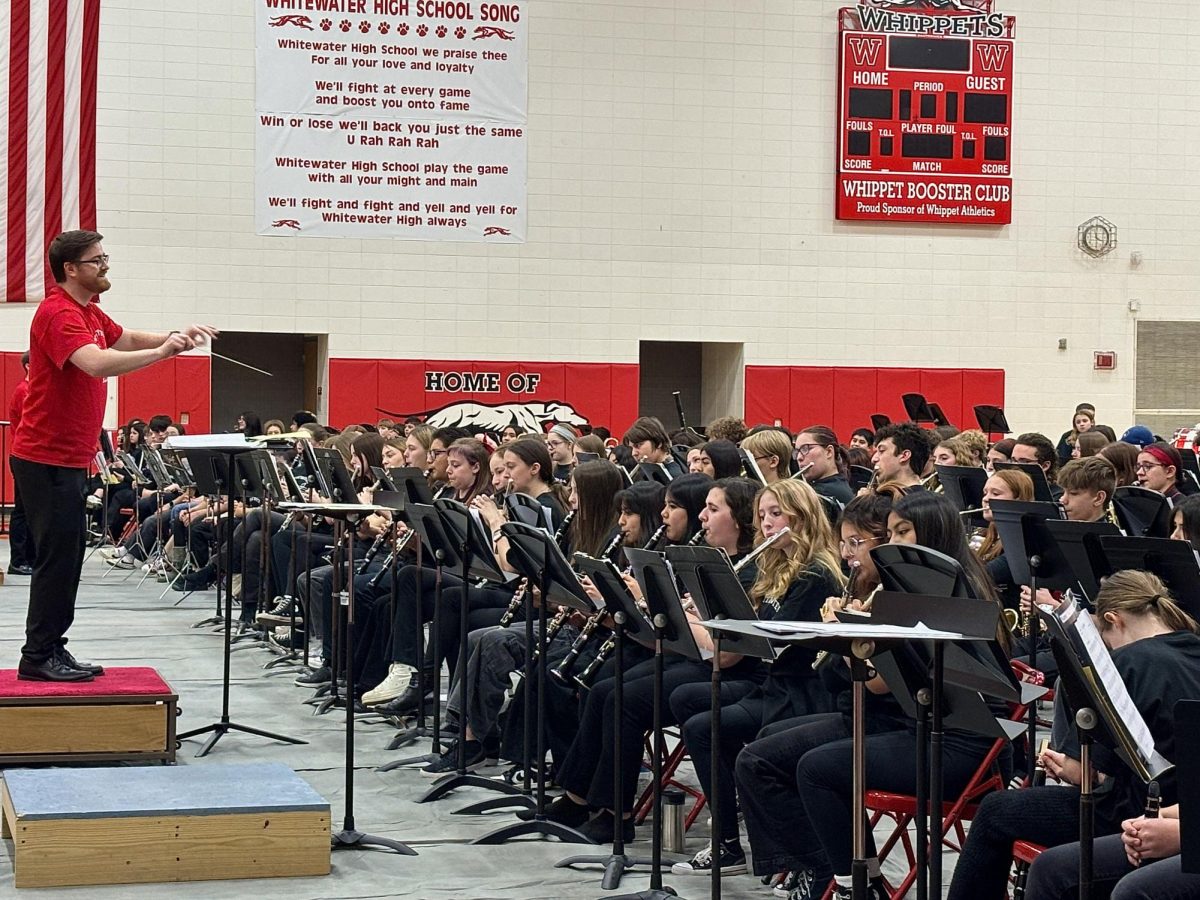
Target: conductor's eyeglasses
x,y
100,261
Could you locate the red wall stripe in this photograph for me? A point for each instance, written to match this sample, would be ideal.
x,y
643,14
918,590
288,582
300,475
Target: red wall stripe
x,y
55,105
87,116
18,113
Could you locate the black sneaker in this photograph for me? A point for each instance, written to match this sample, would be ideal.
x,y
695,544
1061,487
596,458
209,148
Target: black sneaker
x,y
314,677
799,884
875,891
563,810
733,862
448,761
600,828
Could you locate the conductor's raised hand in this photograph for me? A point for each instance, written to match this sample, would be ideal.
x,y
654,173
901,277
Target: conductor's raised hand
x,y
201,334
176,343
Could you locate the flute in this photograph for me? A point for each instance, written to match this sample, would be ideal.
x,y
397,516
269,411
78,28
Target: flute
x,y
804,468
758,551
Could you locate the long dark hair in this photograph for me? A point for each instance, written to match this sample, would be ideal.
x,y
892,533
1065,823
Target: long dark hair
x,y
596,487
253,424
534,450
726,460
370,447
739,495
1189,508
940,527
643,499
690,491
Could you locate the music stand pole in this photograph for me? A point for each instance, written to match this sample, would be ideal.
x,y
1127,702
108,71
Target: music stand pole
x,y
921,818
861,651
222,727
1034,629
350,838
935,772
1085,722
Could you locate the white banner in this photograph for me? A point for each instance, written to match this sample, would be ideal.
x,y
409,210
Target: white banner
x,y
391,118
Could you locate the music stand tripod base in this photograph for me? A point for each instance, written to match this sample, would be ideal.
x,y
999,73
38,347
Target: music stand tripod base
x,y
349,839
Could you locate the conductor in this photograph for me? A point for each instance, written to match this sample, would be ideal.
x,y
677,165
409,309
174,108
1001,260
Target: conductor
x,y
73,347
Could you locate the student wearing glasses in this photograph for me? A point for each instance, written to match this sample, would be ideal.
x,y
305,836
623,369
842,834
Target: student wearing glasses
x,y
817,446
560,441
1158,468
772,450
73,347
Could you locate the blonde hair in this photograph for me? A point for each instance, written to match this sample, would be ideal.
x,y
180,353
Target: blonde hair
x,y
770,442
1021,486
809,550
976,442
961,451
1136,593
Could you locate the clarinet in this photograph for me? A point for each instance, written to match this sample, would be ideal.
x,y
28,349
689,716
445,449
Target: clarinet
x,y
518,596
374,549
387,562
563,669
698,538
847,595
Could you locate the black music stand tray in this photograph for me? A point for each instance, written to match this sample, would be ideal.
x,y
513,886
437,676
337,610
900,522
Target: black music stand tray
x,y
1079,543
536,555
1041,487
476,559
708,576
346,516
963,486
879,420
1142,512
628,622
672,631
211,468
991,420
1172,561
917,408
860,477
424,519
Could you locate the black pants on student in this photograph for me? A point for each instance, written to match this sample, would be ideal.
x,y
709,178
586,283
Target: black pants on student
x,y
56,515
20,543
1055,875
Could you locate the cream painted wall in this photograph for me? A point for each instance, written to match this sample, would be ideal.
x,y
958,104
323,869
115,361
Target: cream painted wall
x,y
681,176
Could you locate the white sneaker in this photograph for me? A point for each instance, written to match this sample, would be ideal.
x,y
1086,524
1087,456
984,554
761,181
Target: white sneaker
x,y
112,552
398,677
124,562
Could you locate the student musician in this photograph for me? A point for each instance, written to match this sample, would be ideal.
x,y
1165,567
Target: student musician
x,y
1156,651
1123,457
1185,522
863,439
795,576
771,449
824,774
1035,449
1006,484
766,769
1001,451
718,459
1159,467
901,453
560,441
727,509
817,447
648,440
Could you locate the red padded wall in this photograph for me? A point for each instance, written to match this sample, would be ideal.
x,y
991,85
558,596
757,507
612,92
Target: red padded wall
x,y
845,397
364,390
174,387
10,374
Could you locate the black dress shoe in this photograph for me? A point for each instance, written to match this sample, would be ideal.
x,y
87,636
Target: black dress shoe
x,y
52,669
19,569
562,810
72,663
405,703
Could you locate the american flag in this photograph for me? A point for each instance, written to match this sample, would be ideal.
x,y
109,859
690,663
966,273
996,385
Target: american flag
x,y
48,148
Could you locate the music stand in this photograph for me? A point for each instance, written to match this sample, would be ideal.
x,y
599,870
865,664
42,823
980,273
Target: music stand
x,y
423,518
879,420
1041,487
917,408
750,466
672,631
991,420
1191,468
963,486
1079,543
211,462
708,576
346,516
1172,561
1035,560
940,419
1142,512
1187,774
475,558
523,508
648,471
536,555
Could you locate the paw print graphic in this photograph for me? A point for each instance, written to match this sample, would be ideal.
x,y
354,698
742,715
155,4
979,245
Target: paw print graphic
x,y
460,32
384,27
441,31
364,26
403,29
344,25
422,30
326,24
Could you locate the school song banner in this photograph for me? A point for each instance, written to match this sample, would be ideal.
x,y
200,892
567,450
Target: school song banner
x,y
391,119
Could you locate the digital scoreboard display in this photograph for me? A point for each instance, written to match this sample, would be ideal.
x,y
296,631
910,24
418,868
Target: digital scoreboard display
x,y
925,118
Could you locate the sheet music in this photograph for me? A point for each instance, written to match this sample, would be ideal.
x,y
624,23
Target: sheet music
x,y
208,442
1110,679
920,631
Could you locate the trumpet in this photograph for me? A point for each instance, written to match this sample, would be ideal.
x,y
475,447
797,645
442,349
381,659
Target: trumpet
x,y
874,480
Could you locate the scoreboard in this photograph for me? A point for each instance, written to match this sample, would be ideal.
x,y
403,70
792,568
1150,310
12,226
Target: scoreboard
x,y
925,118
